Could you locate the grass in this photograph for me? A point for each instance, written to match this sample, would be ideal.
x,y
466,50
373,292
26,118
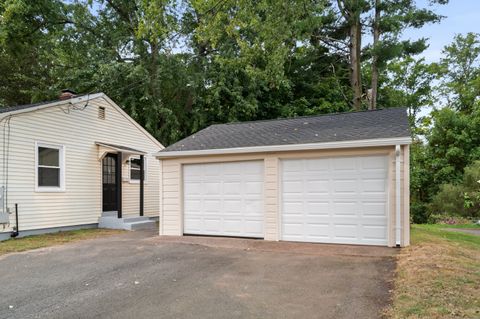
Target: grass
x,y
438,276
464,226
46,240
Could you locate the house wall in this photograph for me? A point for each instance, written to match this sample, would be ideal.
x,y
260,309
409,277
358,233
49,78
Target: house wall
x,y
171,216
77,130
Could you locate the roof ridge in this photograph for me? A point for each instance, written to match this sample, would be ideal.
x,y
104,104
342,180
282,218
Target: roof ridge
x,y
309,116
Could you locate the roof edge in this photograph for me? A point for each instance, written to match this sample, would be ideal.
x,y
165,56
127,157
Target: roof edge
x,y
290,147
128,117
83,98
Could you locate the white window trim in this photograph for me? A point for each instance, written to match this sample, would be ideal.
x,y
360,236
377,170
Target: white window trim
x,y
50,189
145,168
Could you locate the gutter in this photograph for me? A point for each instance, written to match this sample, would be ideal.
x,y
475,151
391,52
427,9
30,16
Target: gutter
x,y
290,147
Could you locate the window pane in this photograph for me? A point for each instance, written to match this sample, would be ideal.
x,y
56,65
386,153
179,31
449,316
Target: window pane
x,y
48,176
135,174
135,163
48,156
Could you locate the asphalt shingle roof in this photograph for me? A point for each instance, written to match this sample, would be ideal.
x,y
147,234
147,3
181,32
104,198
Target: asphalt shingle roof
x,y
385,123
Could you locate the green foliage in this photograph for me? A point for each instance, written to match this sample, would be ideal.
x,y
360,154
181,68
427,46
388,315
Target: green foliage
x,y
179,66
459,71
454,143
408,84
462,199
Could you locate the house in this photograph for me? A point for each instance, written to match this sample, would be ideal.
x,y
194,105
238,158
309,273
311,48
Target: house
x,y
338,178
75,163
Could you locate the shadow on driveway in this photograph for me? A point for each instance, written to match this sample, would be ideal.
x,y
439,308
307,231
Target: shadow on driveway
x,y
139,275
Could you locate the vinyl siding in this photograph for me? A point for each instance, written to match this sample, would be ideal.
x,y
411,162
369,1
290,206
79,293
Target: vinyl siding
x,y
77,130
171,222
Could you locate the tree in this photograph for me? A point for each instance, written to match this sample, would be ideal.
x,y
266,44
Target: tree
x,y
408,82
459,72
387,22
351,10
28,31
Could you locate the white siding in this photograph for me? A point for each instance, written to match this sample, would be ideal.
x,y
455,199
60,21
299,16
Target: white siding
x,y
77,130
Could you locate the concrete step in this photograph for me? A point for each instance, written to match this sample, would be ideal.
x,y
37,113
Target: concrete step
x,y
138,225
135,219
110,214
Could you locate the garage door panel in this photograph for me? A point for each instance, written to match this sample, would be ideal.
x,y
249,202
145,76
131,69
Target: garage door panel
x,y
293,187
320,186
232,188
253,207
344,209
343,201
345,231
313,208
318,230
254,187
373,162
375,232
317,165
343,164
374,209
232,206
211,206
373,185
224,199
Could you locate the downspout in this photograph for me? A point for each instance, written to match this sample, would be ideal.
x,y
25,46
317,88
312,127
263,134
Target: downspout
x,y
398,224
142,184
16,231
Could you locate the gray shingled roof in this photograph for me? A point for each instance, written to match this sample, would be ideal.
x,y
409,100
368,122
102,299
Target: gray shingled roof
x,y
386,123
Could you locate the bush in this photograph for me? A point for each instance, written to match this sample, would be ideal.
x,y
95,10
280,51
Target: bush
x,y
419,213
462,199
448,220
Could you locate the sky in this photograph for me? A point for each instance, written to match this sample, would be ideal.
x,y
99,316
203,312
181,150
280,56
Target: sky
x,y
461,16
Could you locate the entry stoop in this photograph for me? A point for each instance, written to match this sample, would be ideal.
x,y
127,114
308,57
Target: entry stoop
x,y
110,220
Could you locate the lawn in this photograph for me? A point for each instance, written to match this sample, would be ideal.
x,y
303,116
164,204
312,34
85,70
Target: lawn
x,y
46,240
438,276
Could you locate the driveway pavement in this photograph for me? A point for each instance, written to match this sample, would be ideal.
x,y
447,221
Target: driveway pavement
x,y
139,275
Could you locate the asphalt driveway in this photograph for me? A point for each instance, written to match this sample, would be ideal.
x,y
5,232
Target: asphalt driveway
x,y
139,275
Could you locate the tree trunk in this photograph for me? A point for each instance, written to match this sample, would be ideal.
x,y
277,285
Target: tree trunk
x,y
376,37
355,69
154,67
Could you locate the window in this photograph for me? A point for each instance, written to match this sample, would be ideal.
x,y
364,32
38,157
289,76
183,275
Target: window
x,y
49,166
135,168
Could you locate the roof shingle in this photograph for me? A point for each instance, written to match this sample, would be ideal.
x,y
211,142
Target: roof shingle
x,y
385,123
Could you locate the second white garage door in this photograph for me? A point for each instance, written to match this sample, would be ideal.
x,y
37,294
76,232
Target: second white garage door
x,y
224,199
335,200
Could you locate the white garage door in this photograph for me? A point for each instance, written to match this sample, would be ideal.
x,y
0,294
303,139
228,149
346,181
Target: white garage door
x,y
335,200
223,199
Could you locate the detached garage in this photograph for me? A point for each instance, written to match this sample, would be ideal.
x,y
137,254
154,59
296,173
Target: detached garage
x,y
337,178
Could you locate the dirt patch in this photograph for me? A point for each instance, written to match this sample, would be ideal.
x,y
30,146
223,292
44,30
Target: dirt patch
x,y
436,278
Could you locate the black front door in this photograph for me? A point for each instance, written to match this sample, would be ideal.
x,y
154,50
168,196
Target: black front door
x,y
109,181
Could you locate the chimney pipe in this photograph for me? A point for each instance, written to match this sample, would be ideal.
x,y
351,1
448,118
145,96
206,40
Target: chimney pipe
x,y
67,94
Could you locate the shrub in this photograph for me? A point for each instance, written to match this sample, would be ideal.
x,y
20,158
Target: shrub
x,y
462,199
419,213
